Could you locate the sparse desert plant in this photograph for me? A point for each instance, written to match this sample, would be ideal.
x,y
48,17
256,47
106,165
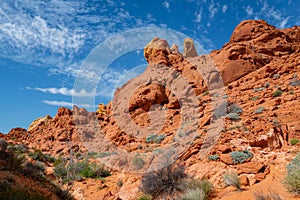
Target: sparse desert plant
x,y
21,148
240,156
3,144
294,141
36,154
231,178
154,138
233,116
165,180
145,197
277,93
197,189
120,183
259,110
138,162
213,157
292,179
271,195
193,194
294,164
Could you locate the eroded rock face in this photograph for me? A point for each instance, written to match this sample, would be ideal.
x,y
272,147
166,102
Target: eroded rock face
x,y
189,48
39,121
258,61
252,45
156,50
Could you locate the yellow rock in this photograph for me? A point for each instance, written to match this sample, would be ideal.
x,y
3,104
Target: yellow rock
x,y
39,121
101,109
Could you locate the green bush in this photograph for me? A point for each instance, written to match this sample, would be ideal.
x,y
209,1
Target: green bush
x,y
294,164
294,141
213,157
197,190
271,195
154,138
233,116
240,156
292,181
36,155
193,194
277,93
145,197
166,180
138,162
231,178
259,110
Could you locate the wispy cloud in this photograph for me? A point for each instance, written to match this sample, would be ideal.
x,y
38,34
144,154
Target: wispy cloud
x,y
198,15
40,34
274,16
249,10
213,9
224,8
64,91
58,34
66,104
166,4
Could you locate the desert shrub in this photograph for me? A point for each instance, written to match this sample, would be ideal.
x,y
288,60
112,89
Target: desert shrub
x,y
138,162
34,169
271,195
193,194
60,171
292,179
36,155
213,157
92,170
21,148
231,178
259,110
294,141
14,162
294,164
197,190
21,194
145,197
254,98
120,183
276,75
277,93
165,180
233,116
240,156
234,108
154,138
3,144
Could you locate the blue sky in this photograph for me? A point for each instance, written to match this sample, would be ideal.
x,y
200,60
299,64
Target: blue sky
x,y
45,42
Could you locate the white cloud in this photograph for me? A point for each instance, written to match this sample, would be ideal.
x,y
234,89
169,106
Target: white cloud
x,y
224,8
58,34
64,91
213,9
66,104
198,15
284,22
273,16
249,11
166,4
39,34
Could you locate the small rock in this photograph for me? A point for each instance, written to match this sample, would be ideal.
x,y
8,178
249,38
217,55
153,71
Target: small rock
x,y
244,180
226,158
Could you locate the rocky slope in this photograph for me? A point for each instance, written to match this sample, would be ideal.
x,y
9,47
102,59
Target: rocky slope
x,y
241,98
